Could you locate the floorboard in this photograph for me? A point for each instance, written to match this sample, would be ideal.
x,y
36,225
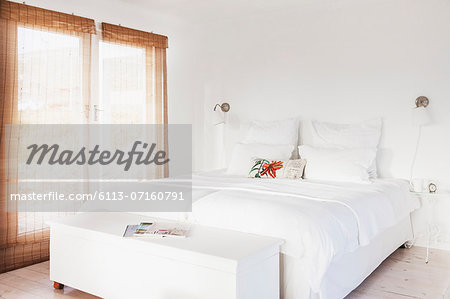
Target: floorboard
x,y
403,275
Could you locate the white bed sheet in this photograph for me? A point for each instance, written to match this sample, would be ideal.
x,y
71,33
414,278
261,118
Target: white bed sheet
x,y
319,221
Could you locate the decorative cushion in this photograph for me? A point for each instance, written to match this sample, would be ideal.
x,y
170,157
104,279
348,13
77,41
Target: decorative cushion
x,y
294,169
266,168
242,155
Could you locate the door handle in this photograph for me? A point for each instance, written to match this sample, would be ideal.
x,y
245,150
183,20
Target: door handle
x,y
97,110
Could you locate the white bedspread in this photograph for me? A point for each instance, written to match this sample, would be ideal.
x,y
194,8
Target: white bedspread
x,y
317,220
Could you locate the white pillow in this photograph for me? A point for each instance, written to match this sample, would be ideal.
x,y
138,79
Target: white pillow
x,y
344,165
273,132
360,135
241,157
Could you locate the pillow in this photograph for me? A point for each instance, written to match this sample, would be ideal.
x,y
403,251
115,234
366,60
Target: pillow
x,y
361,135
344,165
273,132
265,168
291,169
241,157
294,169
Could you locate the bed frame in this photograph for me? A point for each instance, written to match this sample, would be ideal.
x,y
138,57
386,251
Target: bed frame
x,y
346,272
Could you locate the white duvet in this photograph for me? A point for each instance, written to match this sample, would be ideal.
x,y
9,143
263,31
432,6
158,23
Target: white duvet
x,y
317,220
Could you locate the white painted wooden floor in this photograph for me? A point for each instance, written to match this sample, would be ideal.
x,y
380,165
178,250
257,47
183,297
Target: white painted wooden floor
x,y
403,275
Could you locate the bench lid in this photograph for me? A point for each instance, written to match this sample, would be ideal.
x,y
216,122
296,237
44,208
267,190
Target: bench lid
x,y
225,250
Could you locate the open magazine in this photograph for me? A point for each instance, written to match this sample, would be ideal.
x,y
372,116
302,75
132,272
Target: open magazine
x,y
157,229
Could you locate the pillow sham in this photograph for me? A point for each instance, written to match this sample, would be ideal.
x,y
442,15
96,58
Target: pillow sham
x,y
359,135
278,132
291,169
241,157
343,165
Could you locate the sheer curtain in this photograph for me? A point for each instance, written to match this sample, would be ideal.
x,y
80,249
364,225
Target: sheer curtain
x,y
45,75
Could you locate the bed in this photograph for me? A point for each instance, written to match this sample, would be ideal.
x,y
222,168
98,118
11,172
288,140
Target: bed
x,y
335,233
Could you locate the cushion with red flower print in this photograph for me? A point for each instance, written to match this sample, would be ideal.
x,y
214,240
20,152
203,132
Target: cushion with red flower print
x,y
267,168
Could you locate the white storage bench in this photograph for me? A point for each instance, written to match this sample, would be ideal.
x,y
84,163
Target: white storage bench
x,y
88,252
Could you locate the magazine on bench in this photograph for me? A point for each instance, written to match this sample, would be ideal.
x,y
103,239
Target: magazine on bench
x,y
157,229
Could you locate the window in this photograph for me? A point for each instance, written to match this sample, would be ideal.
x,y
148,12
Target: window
x,y
49,77
122,84
54,70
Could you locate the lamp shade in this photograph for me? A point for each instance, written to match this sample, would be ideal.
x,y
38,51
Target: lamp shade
x,y
420,116
233,122
217,117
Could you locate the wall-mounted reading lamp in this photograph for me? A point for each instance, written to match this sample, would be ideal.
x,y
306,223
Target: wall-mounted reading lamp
x,y
218,117
422,102
225,107
420,118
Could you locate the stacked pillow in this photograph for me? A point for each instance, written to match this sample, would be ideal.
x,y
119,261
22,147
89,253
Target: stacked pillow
x,y
278,132
333,164
340,152
266,149
343,152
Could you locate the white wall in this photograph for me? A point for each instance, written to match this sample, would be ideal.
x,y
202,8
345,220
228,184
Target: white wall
x,y
340,61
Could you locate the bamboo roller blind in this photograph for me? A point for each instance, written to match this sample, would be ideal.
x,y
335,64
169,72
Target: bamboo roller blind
x,y
133,37
35,16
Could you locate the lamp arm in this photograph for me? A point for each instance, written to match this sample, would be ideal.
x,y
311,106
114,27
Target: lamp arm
x,y
216,106
411,173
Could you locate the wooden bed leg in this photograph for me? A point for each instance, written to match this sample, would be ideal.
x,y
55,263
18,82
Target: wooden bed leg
x,y
58,286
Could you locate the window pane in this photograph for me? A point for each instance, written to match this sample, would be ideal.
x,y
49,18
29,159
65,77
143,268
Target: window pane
x,y
122,84
49,77
49,91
